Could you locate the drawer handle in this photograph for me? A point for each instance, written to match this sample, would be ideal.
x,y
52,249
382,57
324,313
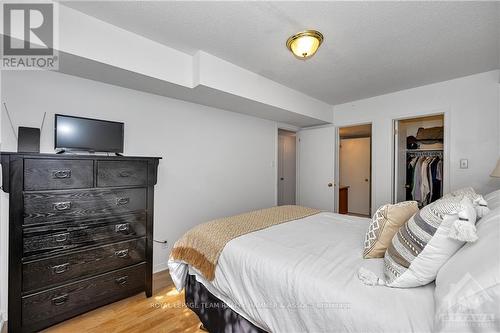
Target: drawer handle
x,y
61,238
122,253
122,201
125,174
60,206
122,280
60,300
61,174
121,227
59,269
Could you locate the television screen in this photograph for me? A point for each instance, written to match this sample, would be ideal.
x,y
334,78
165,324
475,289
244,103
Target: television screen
x,y
75,133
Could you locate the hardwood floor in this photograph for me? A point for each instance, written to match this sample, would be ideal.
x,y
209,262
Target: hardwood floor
x,y
164,312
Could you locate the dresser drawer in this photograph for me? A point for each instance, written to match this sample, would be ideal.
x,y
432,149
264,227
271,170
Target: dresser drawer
x,y
54,238
56,270
71,299
42,174
58,206
122,173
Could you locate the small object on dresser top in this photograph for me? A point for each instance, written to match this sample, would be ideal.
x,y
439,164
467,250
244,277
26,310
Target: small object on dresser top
x,y
28,140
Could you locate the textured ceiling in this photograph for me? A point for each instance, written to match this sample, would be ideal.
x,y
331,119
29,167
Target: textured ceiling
x,y
370,48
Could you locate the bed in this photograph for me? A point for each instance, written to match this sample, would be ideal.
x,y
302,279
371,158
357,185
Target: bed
x,y
302,276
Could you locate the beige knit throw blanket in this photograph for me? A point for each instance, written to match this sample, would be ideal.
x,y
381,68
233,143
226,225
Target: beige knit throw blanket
x,y
201,246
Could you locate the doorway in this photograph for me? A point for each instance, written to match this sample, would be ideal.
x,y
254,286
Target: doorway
x,y
287,156
355,165
419,159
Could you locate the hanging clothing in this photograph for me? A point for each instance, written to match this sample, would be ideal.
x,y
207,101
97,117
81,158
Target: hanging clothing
x,y
424,187
424,178
417,180
430,176
436,183
439,171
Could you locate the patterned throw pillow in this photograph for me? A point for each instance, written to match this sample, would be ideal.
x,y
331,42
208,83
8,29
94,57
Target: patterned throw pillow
x,y
385,223
479,203
424,243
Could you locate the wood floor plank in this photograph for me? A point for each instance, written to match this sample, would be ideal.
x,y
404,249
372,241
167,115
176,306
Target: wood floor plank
x,y
164,312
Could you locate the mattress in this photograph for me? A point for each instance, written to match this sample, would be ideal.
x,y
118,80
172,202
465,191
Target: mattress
x,y
301,276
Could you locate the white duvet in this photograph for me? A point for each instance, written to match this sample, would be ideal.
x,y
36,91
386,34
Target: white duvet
x,y
301,276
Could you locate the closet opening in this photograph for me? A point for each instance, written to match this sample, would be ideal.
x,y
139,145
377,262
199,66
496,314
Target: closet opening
x,y
354,167
287,161
419,159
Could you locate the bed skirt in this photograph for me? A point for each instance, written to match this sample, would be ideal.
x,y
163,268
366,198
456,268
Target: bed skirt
x,y
215,315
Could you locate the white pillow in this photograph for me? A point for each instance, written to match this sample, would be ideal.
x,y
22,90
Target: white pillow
x,y
479,203
467,293
493,199
429,238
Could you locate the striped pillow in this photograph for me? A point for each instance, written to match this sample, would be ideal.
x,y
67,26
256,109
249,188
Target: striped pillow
x,y
429,238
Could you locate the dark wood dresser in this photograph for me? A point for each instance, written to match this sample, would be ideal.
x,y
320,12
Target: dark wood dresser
x,y
80,233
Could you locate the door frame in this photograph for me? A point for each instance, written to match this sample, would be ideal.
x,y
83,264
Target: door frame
x,y
337,162
278,164
274,164
446,149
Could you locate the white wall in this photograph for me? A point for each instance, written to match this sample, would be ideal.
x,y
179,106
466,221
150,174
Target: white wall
x,y
215,163
472,107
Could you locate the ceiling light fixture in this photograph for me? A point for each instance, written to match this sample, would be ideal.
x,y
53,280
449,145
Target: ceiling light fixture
x,y
305,44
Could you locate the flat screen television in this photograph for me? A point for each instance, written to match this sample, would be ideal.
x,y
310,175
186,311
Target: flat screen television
x,y
77,133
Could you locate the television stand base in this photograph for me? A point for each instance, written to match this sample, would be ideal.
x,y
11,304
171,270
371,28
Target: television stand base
x,y
63,151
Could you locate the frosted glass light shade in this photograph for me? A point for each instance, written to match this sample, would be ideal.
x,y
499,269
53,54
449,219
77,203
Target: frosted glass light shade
x,y
305,44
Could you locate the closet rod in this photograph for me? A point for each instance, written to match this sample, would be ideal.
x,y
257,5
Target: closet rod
x,y
425,153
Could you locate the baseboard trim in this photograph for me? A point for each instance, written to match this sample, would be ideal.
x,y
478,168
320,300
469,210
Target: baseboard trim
x,y
160,267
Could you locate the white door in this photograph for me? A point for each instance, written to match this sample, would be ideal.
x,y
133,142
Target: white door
x,y
354,170
316,163
286,169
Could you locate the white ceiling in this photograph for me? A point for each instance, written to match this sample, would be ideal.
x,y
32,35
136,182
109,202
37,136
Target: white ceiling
x,y
97,71
370,48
